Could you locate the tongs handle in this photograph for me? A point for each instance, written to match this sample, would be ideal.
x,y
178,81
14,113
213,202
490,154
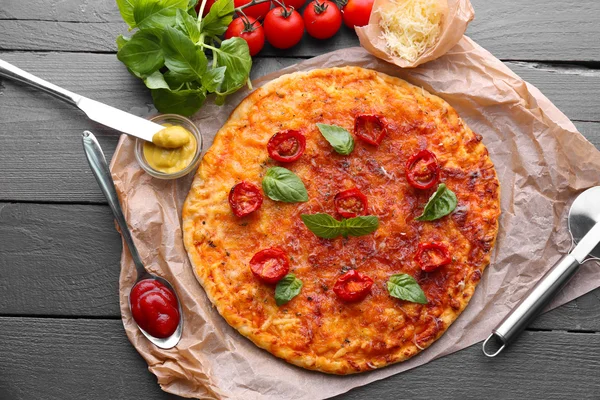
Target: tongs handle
x,y
533,303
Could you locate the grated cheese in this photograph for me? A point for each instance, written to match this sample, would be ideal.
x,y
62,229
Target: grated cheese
x,y
410,27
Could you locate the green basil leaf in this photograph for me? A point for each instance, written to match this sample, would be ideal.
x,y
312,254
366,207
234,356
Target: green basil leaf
x,y
182,56
360,226
188,25
405,287
183,102
156,80
157,14
174,80
213,79
126,9
218,19
339,138
327,227
440,204
323,225
235,56
142,53
281,184
287,288
121,41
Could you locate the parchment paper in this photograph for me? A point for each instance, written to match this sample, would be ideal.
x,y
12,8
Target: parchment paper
x,y
456,16
542,163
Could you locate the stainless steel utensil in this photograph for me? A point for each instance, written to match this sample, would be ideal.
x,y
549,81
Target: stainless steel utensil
x,y
584,225
99,167
96,111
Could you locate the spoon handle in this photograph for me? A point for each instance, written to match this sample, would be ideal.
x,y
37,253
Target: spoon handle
x,y
97,161
8,70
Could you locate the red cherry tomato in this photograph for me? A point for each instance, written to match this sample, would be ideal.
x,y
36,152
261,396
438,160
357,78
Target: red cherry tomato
x,y
250,30
432,255
258,11
422,171
350,203
370,128
357,12
286,146
270,265
353,286
297,4
245,198
322,19
154,308
283,27
207,6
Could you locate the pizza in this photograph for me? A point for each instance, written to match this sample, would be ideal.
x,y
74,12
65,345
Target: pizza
x,y
342,218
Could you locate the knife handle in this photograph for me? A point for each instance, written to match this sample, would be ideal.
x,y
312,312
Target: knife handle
x,y
8,70
533,303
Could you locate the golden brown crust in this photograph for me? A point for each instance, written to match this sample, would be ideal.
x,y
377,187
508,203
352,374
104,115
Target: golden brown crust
x,y
316,330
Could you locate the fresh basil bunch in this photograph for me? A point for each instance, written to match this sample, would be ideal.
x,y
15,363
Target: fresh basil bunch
x,y
168,52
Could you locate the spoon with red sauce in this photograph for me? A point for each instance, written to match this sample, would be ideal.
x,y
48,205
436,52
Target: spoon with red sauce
x,y
152,300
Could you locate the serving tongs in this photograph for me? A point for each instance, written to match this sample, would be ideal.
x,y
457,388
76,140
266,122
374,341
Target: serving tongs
x,y
584,226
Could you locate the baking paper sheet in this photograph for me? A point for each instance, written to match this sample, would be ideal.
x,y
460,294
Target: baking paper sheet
x,y
542,163
456,17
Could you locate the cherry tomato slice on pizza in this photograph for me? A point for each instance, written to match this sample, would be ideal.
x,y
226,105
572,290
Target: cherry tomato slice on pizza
x,y
270,265
422,170
353,286
245,198
286,146
350,203
370,128
432,255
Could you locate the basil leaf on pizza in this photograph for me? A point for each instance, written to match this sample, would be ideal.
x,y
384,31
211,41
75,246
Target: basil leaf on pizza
x,y
405,287
287,288
440,204
281,184
360,226
339,138
325,226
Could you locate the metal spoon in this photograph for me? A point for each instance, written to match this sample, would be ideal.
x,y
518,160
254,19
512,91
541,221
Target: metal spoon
x,y
99,167
584,226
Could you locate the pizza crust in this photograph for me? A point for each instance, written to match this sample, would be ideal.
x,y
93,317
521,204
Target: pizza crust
x,y
316,330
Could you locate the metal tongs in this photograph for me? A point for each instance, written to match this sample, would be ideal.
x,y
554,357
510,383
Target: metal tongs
x,y
584,226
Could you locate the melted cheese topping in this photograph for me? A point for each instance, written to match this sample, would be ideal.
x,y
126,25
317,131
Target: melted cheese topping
x,y
316,330
410,27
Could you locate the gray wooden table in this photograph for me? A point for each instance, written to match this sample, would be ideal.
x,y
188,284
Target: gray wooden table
x,y
61,335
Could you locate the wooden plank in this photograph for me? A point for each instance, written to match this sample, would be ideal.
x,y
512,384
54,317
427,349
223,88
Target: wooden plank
x,y
41,136
63,260
92,359
71,359
59,260
536,30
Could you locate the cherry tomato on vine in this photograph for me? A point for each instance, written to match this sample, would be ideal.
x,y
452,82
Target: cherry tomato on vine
x,y
322,19
270,265
245,198
207,6
257,11
357,12
422,170
286,146
250,30
284,27
353,286
432,255
297,4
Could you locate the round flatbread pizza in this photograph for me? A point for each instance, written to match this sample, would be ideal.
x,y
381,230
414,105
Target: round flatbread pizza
x,y
342,218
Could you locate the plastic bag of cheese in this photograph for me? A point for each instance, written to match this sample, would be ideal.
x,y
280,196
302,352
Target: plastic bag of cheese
x,y
411,32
